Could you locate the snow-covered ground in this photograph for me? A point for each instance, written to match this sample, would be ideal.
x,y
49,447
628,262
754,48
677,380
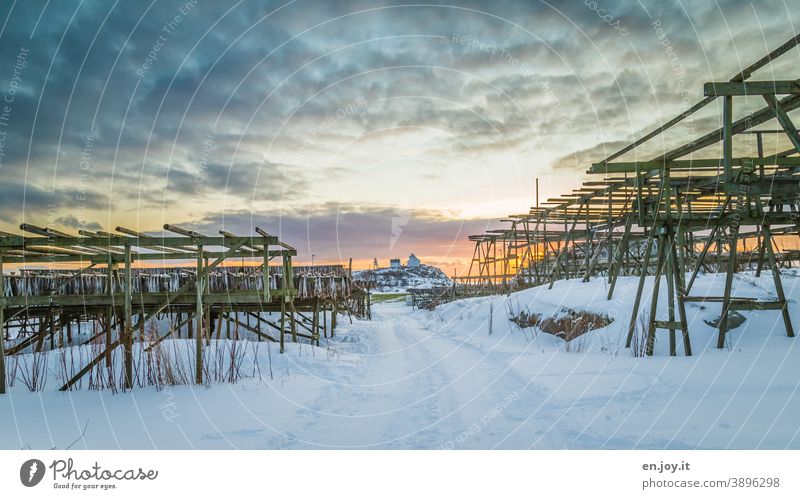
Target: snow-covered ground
x,y
419,379
399,280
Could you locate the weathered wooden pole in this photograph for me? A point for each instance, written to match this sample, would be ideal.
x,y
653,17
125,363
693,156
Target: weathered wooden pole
x,y
776,277
726,299
315,319
333,317
325,320
651,324
642,276
128,341
283,321
198,373
727,156
2,328
671,272
289,279
265,275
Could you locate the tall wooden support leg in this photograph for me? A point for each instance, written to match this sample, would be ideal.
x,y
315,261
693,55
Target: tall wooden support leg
x,y
293,320
545,254
283,321
316,319
564,254
208,323
776,276
761,247
588,247
265,276
687,346
671,275
616,262
325,320
638,298
128,341
334,312
52,329
727,137
199,316
690,238
726,299
651,324
2,329
109,321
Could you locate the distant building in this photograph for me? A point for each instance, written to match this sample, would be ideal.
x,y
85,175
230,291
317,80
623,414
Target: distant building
x,y
394,263
413,261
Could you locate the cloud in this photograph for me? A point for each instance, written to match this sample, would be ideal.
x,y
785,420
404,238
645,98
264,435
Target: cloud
x,y
74,223
337,232
110,87
27,202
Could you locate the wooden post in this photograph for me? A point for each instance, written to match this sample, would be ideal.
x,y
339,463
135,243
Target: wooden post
x,y
642,276
617,261
727,137
651,324
671,275
776,277
726,299
109,319
283,320
207,320
52,327
687,346
128,341
265,275
2,328
198,351
315,319
292,321
333,318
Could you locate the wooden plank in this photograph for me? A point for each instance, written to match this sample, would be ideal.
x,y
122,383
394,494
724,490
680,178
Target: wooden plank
x,y
779,87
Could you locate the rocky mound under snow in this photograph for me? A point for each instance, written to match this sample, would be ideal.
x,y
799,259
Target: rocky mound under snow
x,y
399,280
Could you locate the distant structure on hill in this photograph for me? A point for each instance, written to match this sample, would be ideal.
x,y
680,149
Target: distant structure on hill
x,y
394,263
413,261
374,263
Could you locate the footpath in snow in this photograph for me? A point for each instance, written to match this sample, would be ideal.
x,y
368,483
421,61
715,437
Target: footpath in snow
x,y
412,379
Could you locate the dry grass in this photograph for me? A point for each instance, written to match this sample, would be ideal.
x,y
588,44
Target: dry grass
x,y
568,324
155,364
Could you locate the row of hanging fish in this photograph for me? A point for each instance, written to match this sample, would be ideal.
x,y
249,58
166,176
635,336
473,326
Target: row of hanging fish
x,y
320,281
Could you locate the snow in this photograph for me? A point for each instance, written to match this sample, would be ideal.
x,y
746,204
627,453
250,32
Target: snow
x,y
400,279
438,380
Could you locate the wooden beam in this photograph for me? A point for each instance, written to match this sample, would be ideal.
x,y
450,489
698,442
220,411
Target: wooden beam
x,y
751,88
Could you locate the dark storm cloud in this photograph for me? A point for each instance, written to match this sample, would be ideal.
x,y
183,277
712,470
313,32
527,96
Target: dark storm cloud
x,y
72,222
120,97
20,202
336,232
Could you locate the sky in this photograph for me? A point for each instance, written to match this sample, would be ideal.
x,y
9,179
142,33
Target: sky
x,y
350,129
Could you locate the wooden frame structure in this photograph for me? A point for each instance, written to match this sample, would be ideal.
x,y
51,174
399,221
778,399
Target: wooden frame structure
x,y
662,217
103,283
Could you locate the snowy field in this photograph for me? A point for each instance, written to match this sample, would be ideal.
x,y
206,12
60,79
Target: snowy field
x,y
413,379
